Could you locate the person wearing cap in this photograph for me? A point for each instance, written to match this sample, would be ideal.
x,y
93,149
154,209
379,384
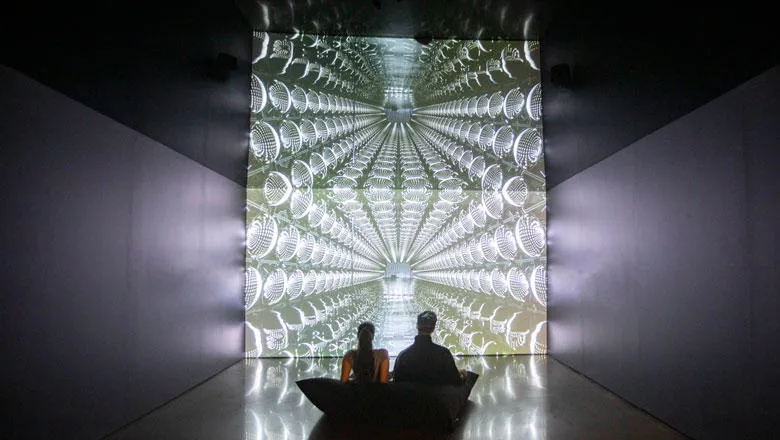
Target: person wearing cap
x,y
425,361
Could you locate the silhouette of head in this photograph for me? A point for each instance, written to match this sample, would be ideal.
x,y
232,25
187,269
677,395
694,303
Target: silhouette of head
x,y
426,322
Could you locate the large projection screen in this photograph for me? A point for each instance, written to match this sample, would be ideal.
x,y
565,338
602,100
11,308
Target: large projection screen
x,y
387,177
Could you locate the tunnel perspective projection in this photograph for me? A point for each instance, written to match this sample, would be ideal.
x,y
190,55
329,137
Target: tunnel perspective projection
x,y
385,178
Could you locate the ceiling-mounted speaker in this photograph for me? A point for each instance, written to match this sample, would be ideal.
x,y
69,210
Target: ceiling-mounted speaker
x,y
560,75
221,66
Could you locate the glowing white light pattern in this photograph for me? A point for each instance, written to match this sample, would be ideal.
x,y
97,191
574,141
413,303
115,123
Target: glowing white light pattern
x,y
501,382
386,177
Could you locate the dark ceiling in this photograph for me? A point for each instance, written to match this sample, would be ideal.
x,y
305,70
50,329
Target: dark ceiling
x,y
635,67
488,19
506,19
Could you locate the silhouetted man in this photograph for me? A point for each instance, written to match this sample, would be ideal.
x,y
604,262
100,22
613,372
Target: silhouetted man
x,y
424,361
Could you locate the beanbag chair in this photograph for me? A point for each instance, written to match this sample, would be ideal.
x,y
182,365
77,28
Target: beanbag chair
x,y
398,404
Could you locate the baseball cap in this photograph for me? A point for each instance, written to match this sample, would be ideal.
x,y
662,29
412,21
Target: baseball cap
x,y
426,319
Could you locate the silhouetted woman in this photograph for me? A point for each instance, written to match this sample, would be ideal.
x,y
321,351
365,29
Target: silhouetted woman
x,y
368,365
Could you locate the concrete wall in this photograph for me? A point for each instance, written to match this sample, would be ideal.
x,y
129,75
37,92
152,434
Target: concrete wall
x,y
663,267
122,268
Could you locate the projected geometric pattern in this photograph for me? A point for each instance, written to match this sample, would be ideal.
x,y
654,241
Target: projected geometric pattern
x,y
386,178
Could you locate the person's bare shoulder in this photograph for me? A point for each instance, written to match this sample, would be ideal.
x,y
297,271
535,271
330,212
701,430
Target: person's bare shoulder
x,y
382,353
349,355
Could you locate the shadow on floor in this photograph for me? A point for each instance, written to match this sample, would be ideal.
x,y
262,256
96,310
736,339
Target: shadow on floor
x,y
327,428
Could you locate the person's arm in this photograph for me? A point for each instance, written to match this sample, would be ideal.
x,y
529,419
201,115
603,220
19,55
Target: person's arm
x,y
384,367
453,375
346,368
399,371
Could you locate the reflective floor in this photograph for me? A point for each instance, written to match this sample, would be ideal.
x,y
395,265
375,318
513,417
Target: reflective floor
x,y
516,397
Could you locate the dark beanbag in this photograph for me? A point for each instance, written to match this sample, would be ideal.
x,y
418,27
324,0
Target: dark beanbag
x,y
399,404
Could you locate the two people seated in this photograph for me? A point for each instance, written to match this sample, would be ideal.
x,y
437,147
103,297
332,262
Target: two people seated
x,y
426,390
422,362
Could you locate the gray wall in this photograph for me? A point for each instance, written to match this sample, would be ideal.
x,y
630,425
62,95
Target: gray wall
x,y
122,268
636,67
663,268
147,64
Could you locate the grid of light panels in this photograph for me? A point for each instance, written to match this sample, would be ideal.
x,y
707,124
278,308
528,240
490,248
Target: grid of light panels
x,y
387,177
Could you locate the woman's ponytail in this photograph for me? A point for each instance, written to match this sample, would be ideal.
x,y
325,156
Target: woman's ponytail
x,y
364,361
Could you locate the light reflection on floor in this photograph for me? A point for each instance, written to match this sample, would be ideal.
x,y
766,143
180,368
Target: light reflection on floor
x,y
516,397
511,400
290,416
